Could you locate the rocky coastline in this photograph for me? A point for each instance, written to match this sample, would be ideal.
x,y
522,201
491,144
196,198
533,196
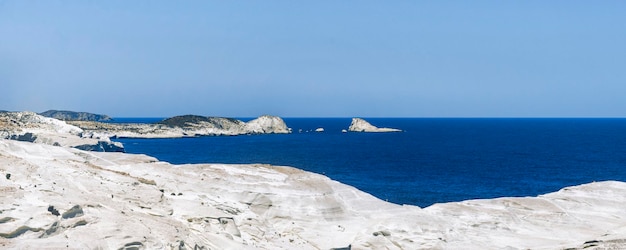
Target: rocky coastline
x,y
32,127
96,136
58,196
185,126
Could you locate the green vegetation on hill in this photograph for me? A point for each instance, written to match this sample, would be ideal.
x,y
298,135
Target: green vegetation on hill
x,y
187,120
75,116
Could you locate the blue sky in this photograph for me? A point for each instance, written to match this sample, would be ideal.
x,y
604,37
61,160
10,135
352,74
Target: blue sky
x,y
315,58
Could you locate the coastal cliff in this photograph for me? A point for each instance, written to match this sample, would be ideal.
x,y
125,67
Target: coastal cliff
x,y
186,126
56,197
360,125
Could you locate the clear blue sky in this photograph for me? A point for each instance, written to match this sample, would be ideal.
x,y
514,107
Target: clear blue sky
x,y
315,58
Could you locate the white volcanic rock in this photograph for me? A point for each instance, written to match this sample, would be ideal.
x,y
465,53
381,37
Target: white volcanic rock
x,y
129,198
29,126
115,200
31,122
267,124
186,126
360,125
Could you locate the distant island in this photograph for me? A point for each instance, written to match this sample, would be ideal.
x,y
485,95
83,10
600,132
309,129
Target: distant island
x,y
75,116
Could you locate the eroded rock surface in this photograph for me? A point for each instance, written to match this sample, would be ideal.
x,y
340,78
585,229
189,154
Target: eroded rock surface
x,y
116,200
31,127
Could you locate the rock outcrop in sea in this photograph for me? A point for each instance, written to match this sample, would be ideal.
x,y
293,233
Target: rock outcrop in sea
x,y
58,197
186,126
361,125
31,127
75,116
267,124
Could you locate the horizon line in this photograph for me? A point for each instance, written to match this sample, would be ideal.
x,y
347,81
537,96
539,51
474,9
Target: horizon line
x,y
398,117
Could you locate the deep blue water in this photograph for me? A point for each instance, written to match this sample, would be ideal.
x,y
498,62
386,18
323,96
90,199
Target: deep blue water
x,y
435,160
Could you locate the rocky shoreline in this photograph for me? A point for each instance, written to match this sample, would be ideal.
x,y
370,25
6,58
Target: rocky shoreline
x,y
57,196
31,127
185,126
96,136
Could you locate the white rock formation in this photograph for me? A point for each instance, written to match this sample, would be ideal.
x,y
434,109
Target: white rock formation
x,y
29,126
360,125
319,130
267,124
55,197
197,126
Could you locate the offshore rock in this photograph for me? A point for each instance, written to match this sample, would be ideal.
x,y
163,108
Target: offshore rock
x,y
186,126
267,124
360,125
31,127
74,116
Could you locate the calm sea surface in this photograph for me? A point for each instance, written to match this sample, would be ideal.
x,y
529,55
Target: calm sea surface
x,y
435,160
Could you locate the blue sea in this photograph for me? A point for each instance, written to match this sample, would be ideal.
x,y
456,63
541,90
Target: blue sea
x,y
435,160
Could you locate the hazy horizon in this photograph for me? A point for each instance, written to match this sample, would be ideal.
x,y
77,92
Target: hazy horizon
x,y
342,117
484,59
